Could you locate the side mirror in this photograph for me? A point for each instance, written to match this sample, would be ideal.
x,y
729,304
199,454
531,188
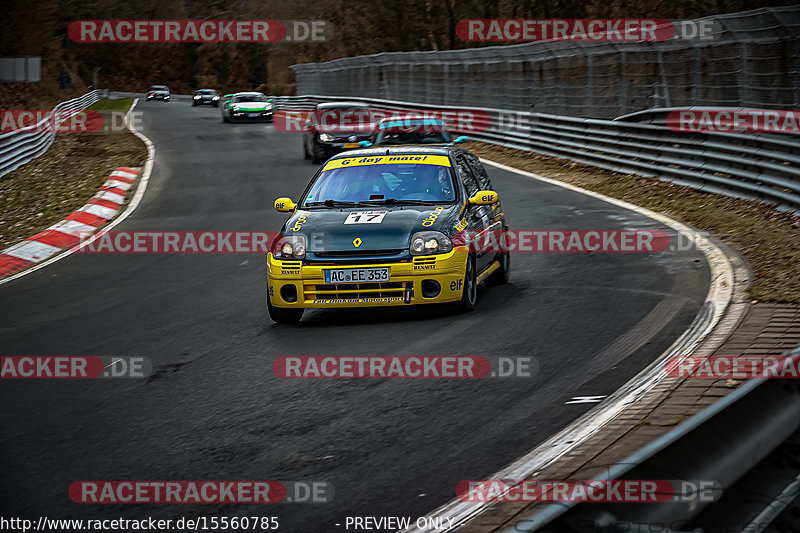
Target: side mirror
x,y
483,198
364,144
461,139
284,205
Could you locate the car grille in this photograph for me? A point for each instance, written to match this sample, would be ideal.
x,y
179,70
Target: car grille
x,y
357,253
337,291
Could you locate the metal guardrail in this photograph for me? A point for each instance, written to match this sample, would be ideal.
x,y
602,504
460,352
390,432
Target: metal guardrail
x,y
23,145
724,442
752,166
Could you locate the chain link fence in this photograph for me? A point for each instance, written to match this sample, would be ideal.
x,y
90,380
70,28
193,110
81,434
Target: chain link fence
x,y
752,59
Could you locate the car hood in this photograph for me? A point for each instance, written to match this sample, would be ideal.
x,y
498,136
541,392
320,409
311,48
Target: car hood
x,y
333,230
252,106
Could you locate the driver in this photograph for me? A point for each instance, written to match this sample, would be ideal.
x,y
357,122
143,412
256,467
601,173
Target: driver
x,y
426,181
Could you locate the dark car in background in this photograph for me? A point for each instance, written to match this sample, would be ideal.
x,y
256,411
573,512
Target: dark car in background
x,y
404,131
205,96
334,127
158,92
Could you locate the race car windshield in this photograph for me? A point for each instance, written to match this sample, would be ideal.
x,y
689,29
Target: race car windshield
x,y
412,137
159,88
392,183
206,91
252,97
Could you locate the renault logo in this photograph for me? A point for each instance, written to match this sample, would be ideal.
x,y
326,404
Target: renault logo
x,y
356,242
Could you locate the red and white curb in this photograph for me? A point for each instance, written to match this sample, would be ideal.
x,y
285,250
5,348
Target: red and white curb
x,y
101,208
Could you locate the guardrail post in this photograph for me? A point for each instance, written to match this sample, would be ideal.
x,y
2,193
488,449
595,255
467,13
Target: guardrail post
x,y
534,79
743,93
797,73
697,90
589,84
623,82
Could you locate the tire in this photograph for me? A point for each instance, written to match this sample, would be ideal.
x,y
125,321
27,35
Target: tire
x,y
470,293
501,275
225,119
306,155
280,315
317,159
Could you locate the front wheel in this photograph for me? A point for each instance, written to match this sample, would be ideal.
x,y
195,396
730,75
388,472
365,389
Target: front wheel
x,y
280,315
470,294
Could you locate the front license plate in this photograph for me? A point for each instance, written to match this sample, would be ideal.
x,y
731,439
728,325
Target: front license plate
x,y
357,275
351,145
251,115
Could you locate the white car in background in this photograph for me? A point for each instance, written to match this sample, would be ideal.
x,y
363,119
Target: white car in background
x,y
246,107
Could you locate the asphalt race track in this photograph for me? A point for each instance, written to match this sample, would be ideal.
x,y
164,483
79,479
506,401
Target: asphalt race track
x,y
214,410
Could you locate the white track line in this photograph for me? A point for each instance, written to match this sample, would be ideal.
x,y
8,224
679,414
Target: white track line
x,y
718,298
137,198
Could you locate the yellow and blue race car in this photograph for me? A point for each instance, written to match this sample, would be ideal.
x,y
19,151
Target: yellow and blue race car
x,y
386,227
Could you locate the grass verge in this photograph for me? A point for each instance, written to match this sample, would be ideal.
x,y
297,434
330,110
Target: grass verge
x,y
51,187
767,238
121,105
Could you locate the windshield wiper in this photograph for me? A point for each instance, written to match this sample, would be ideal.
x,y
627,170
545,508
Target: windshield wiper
x,y
395,201
331,203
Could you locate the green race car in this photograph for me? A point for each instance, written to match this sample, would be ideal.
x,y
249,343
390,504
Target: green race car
x,y
246,107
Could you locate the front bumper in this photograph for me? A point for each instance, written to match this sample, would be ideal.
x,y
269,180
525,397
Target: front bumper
x,y
158,97
251,115
307,282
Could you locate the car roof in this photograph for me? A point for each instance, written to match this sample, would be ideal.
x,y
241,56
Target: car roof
x,y
158,87
243,93
401,122
398,150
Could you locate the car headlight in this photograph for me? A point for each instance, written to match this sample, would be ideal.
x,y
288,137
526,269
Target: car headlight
x,y
325,137
235,108
268,107
215,98
290,247
196,97
430,242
